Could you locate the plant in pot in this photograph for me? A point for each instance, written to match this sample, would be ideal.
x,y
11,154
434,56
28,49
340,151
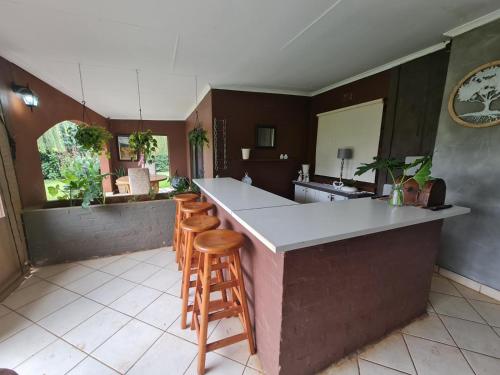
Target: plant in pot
x,y
121,172
82,177
394,167
198,137
144,144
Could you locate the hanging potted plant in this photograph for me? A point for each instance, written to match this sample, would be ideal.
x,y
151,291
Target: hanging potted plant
x,y
144,144
93,138
198,137
393,166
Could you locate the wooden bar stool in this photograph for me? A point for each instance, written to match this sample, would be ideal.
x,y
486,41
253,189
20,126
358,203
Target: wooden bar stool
x,y
191,227
189,209
179,200
210,245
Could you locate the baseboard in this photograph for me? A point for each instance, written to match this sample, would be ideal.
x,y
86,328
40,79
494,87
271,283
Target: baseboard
x,y
474,285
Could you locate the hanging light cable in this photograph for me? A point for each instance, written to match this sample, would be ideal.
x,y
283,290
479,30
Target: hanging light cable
x,y
83,93
139,98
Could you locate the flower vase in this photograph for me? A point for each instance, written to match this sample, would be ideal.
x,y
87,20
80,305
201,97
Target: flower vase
x,y
141,163
396,198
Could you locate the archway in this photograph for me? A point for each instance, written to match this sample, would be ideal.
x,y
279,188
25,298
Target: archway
x,y
62,159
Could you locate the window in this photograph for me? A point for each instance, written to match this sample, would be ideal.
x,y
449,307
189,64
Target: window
x,y
61,158
161,159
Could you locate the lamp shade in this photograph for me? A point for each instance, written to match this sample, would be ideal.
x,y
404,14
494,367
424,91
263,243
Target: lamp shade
x,y
344,153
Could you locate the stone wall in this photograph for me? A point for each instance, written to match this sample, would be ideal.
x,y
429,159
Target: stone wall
x,y
59,235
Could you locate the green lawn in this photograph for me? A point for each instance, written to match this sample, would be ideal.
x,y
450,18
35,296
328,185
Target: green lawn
x,y
51,183
165,183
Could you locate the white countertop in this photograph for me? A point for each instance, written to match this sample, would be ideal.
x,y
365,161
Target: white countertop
x,y
283,225
234,195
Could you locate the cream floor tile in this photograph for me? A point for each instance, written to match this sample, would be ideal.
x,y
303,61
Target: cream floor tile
x,y
111,291
142,256
29,281
189,334
390,352
90,366
162,259
432,358
168,355
348,366
120,266
481,364
134,301
369,368
4,311
48,271
140,272
453,306
89,282
162,312
47,304
497,330
98,263
68,317
163,280
473,336
489,311
430,309
124,348
442,285
216,364
254,362
12,323
251,371
240,351
68,276
56,359
96,330
23,345
429,327
29,294
175,289
472,294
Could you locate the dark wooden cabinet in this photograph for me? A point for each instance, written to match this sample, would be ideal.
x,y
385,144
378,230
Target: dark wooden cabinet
x,y
413,107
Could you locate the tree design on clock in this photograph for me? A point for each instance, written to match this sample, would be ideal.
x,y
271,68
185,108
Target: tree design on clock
x,y
475,100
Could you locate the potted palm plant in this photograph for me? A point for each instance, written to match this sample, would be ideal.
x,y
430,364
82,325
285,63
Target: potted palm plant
x,y
395,167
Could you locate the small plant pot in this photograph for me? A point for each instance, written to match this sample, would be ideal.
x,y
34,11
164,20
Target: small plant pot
x,y
245,153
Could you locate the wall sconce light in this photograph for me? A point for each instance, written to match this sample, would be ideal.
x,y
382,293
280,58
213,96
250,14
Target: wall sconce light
x,y
28,96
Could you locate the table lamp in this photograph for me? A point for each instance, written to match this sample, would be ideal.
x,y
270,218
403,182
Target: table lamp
x,y
342,154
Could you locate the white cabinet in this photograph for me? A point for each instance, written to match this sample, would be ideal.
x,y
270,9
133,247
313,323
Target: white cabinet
x,y
323,196
300,194
305,194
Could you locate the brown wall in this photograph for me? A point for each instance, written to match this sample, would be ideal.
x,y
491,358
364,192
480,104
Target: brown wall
x,y
364,90
243,111
174,130
25,126
205,117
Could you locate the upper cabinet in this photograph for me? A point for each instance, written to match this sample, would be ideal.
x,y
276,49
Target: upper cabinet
x,y
418,103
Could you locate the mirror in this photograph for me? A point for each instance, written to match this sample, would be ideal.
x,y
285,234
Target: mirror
x,y
265,136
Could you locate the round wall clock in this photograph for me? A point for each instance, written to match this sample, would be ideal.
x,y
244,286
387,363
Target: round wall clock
x,y
475,101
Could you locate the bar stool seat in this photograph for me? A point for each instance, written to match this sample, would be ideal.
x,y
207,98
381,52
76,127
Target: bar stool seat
x,y
196,208
179,200
211,245
191,227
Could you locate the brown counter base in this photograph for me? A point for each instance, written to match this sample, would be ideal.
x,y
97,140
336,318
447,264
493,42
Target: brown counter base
x,y
311,307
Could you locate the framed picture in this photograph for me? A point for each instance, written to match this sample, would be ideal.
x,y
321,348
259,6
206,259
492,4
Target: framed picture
x,y
475,100
124,152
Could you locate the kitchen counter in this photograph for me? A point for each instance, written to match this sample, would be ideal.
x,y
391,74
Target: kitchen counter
x,y
284,225
324,280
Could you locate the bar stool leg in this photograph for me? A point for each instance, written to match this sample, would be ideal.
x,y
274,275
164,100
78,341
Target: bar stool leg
x,y
220,278
186,278
244,305
205,300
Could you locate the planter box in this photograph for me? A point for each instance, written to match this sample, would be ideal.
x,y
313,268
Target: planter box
x,y
57,235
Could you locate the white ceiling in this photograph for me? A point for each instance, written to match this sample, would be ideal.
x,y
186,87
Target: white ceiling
x,y
295,46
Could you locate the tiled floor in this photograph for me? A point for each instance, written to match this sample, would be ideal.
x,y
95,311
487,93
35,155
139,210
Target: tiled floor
x,y
121,315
